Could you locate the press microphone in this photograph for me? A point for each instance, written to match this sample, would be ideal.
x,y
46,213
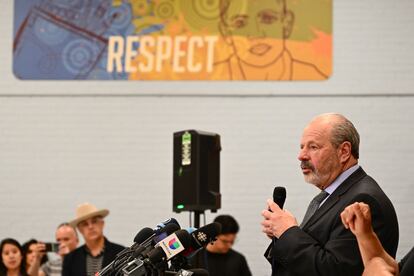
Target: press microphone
x,y
161,225
140,237
169,247
188,272
142,241
146,246
279,196
202,236
199,240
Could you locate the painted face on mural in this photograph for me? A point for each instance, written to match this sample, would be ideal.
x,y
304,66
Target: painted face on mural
x,y
256,29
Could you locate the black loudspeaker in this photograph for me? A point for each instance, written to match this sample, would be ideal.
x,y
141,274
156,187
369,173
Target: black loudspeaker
x,y
196,179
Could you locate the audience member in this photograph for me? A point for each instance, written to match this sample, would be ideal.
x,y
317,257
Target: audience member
x,y
67,238
97,252
33,250
219,258
377,262
11,263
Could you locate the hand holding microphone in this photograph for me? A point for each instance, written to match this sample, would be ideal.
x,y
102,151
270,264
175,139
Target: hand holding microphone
x,y
277,221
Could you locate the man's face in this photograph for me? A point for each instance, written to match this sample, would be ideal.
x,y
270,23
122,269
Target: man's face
x,y
224,243
92,228
11,256
67,239
320,162
256,29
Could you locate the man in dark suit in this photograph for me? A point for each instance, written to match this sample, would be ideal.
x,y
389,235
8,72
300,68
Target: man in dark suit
x,y
97,252
321,245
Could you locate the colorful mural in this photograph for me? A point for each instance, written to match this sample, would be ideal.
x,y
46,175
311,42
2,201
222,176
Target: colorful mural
x,y
173,39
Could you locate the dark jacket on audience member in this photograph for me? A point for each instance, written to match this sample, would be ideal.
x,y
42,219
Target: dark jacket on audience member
x,y
74,264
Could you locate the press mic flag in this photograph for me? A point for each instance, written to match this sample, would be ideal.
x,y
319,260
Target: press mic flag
x,y
169,247
279,196
149,244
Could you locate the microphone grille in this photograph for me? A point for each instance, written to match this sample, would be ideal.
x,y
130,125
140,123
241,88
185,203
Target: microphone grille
x,y
279,196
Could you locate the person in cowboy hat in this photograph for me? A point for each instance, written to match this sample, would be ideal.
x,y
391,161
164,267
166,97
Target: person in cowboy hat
x,y
97,252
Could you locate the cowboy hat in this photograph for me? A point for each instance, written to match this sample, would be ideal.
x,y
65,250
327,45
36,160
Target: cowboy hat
x,y
85,211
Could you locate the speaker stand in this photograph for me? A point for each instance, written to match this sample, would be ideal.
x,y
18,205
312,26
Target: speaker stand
x,y
197,218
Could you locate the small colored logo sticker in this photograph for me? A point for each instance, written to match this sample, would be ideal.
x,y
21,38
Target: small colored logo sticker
x,y
173,244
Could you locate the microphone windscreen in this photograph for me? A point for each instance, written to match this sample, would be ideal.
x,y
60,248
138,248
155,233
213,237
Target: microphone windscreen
x,y
161,225
279,196
170,228
164,232
143,234
206,234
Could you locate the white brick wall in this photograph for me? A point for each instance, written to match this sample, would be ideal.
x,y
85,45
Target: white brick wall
x,y
116,152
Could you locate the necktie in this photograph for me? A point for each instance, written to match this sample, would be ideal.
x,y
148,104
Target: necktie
x,y
313,206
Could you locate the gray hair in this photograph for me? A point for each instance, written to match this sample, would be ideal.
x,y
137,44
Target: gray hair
x,y
63,224
343,130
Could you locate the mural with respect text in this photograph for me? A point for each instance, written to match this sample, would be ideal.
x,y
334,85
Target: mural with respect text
x,y
172,39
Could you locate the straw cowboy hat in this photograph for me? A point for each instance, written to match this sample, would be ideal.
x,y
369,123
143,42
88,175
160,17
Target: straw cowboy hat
x,y
85,211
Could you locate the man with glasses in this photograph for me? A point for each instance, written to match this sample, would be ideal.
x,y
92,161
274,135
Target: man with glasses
x,y
97,252
219,258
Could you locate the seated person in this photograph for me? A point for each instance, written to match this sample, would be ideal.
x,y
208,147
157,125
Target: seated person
x,y
219,258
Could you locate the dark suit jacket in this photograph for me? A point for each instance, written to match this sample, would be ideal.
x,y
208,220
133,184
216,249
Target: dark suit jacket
x,y
324,247
407,264
74,264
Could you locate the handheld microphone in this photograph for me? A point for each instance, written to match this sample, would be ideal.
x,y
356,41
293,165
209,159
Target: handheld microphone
x,y
279,196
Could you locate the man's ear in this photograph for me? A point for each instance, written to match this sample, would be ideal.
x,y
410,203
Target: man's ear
x,y
345,151
288,21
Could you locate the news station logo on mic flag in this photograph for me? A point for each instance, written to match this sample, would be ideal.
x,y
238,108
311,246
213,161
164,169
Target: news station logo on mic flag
x,y
171,245
173,40
174,244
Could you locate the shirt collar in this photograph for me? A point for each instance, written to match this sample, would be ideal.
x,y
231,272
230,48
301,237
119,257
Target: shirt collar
x,y
338,181
341,178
